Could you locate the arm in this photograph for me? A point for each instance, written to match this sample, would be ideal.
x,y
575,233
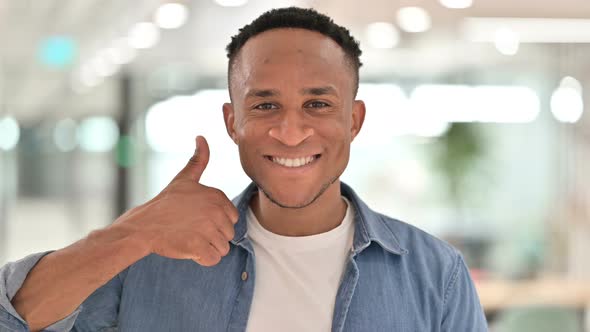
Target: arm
x,y
185,221
12,276
462,309
59,283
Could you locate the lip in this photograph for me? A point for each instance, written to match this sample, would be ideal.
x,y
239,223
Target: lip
x,y
293,170
292,157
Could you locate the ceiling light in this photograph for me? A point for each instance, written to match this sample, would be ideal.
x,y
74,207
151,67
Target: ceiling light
x,y
456,4
507,41
144,35
88,76
103,66
567,104
171,15
571,82
231,3
120,52
529,30
382,35
413,19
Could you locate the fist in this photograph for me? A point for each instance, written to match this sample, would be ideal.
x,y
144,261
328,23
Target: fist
x,y
187,220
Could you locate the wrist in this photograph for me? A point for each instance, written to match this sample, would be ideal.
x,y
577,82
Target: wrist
x,y
127,236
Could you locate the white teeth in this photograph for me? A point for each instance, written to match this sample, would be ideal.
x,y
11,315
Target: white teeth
x,y
296,162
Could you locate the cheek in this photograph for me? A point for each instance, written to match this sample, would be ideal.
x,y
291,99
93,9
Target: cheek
x,y
246,130
336,131
250,136
337,137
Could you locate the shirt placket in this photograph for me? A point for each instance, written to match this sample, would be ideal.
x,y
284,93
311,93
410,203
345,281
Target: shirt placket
x,y
239,316
344,295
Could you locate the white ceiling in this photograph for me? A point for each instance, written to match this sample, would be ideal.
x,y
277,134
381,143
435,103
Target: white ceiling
x,y
30,91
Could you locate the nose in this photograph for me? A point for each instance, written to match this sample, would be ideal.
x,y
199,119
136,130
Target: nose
x,y
291,129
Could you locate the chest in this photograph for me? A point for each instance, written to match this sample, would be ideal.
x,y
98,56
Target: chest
x,y
169,295
296,290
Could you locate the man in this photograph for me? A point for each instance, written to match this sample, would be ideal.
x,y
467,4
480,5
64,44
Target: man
x,y
296,251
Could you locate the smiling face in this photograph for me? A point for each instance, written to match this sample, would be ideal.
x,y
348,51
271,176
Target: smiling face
x,y
293,113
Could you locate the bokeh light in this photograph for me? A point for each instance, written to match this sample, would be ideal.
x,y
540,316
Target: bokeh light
x,y
413,19
64,135
144,35
171,15
382,35
98,134
9,133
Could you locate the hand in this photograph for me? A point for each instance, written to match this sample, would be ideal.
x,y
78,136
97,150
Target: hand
x,y
187,220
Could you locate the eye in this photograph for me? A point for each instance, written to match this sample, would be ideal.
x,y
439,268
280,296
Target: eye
x,y
317,104
265,106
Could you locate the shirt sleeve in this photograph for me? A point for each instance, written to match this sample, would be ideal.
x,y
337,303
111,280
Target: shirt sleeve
x,y
98,312
12,277
462,308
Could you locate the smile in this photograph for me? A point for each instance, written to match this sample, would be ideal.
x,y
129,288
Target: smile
x,y
293,162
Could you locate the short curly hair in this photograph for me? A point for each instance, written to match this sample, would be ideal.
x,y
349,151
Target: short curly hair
x,y
302,18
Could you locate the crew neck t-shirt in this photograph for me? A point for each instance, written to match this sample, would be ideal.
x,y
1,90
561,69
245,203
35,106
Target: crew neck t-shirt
x,y
297,278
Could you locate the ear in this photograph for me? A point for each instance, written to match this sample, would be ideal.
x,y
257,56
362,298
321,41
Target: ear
x,y
229,119
358,117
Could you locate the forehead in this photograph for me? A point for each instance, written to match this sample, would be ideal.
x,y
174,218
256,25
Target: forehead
x,y
290,56
285,40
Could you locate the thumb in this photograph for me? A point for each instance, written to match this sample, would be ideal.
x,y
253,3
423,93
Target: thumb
x,y
198,162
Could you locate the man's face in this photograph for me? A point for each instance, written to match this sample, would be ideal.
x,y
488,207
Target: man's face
x,y
293,113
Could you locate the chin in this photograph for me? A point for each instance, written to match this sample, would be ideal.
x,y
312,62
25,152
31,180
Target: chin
x,y
290,202
293,196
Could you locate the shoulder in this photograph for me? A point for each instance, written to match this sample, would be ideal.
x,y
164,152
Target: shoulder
x,y
417,241
397,236
424,253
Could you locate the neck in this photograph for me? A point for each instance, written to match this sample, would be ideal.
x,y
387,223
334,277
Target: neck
x,y
323,215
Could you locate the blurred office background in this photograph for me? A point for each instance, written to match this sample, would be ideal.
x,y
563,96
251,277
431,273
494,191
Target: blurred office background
x,y
477,127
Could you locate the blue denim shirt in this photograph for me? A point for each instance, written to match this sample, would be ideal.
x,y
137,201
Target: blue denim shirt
x,y
398,278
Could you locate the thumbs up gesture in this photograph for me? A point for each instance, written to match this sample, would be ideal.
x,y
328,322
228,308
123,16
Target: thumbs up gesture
x,y
187,220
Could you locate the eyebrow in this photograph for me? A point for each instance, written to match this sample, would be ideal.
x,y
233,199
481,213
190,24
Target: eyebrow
x,y
315,91
262,93
319,91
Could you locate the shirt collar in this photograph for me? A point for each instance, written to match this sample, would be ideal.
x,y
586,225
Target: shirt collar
x,y
370,226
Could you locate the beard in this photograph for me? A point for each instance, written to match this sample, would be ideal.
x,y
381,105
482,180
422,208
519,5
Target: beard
x,y
275,201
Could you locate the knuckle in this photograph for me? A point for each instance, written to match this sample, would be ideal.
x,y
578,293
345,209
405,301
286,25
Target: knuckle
x,y
211,260
208,229
203,257
218,194
234,213
216,259
226,248
230,233
215,213
200,245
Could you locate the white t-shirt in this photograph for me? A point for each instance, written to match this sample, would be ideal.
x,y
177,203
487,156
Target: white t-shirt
x,y
297,277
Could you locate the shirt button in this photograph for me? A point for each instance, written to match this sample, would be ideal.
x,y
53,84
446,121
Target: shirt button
x,y
244,275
